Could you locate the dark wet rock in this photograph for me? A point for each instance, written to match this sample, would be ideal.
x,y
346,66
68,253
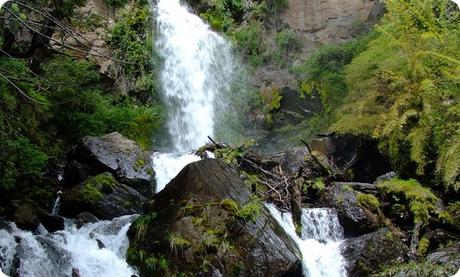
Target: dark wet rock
x,y
85,218
361,187
102,196
367,253
355,219
100,244
52,223
75,272
195,221
112,153
448,256
28,215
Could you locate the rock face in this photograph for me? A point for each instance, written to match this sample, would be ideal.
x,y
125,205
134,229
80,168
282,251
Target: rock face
x,y
115,154
330,21
205,223
369,252
102,196
28,215
355,219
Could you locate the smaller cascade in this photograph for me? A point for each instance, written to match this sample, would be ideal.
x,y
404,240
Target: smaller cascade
x,y
57,204
319,242
95,249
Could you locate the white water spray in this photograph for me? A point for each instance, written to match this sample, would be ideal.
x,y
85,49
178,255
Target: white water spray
x,y
196,75
195,78
59,253
320,241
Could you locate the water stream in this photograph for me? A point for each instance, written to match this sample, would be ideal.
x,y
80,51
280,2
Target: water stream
x,y
319,241
196,77
95,249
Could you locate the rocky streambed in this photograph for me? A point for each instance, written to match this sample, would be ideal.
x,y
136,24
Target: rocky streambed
x,y
212,219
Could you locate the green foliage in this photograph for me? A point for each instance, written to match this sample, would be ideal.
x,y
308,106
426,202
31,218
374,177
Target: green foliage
x,y
404,90
421,269
420,200
287,44
19,158
230,205
250,42
232,155
131,41
176,242
251,210
368,201
142,224
89,193
92,191
324,72
423,246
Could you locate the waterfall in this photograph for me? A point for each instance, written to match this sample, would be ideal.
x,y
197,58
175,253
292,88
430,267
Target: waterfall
x,y
95,249
196,79
319,242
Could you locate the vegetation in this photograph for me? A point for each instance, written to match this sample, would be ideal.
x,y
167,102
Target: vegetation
x,y
420,200
422,269
403,90
49,104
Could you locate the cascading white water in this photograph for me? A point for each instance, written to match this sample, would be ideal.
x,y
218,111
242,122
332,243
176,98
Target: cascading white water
x,y
197,73
59,253
195,78
319,242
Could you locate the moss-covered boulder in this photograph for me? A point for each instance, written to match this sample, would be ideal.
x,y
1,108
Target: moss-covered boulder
x,y
103,196
358,212
115,154
206,223
368,253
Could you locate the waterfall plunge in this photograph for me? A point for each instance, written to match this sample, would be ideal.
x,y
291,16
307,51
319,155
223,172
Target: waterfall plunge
x,y
196,77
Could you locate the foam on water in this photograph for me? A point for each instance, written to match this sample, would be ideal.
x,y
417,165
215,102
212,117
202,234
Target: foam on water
x,y
320,241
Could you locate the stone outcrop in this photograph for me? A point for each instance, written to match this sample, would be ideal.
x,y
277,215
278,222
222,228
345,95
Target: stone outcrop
x,y
115,154
354,218
366,254
330,21
205,221
102,196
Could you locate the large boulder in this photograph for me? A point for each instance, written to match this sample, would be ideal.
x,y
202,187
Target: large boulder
x,y
356,217
103,196
205,223
28,215
368,253
115,154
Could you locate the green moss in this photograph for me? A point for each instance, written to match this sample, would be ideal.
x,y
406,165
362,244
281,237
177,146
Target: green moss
x,y
251,210
346,188
139,164
420,200
368,201
419,269
177,242
423,246
230,205
90,193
